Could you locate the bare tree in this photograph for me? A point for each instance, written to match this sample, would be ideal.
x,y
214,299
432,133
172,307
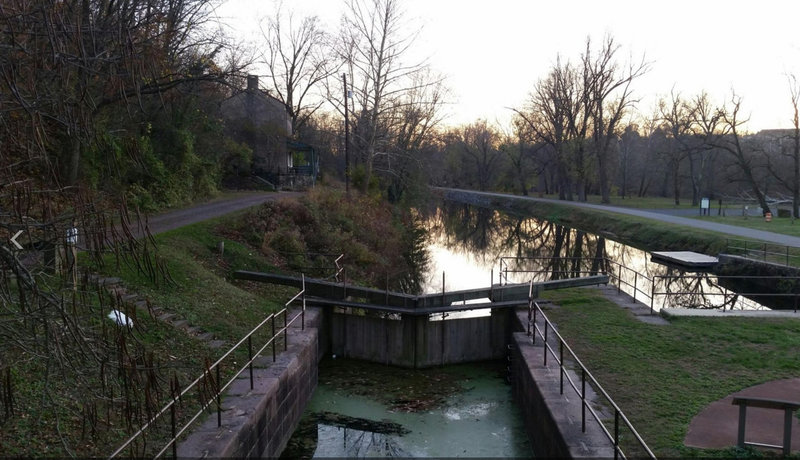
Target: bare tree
x,y
551,116
676,118
609,93
373,47
794,91
298,58
731,142
478,143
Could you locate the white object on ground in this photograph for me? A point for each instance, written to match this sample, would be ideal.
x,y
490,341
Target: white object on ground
x,y
120,318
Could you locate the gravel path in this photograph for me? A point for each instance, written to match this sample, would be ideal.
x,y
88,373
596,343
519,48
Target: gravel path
x,y
732,230
173,219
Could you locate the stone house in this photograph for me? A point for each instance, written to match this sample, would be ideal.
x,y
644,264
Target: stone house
x,y
260,121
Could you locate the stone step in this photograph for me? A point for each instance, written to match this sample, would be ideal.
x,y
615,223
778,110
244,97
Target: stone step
x,y
167,316
181,324
206,336
216,344
108,281
127,298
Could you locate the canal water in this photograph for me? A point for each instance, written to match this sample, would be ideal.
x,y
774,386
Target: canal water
x,y
370,410
471,247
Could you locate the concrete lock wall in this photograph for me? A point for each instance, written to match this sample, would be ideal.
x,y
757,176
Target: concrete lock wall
x,y
416,342
259,422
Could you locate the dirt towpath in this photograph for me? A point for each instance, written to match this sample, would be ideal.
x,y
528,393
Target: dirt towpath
x,y
732,230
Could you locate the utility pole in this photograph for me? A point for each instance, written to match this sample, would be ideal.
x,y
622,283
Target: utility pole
x,y
346,140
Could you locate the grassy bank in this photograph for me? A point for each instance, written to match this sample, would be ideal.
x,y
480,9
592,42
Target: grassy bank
x,y
79,385
663,375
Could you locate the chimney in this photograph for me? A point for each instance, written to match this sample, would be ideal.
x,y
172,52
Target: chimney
x,y
252,82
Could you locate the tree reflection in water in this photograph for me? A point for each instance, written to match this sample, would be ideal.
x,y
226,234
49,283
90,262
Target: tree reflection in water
x,y
526,247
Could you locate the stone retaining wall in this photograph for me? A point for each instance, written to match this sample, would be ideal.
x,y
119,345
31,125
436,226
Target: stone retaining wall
x,y
553,420
259,422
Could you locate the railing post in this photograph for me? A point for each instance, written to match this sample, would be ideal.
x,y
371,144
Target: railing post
x,y
285,329
219,398
442,293
533,327
619,279
303,313
250,356
616,434
545,342
635,284
583,399
274,355
561,365
491,284
172,422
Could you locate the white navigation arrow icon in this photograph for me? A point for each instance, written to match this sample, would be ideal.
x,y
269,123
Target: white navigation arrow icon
x,y
14,239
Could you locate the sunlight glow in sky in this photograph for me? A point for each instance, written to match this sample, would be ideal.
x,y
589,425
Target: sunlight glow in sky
x,y
493,52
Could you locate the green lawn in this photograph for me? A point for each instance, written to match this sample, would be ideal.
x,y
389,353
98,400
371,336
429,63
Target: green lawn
x,y
663,375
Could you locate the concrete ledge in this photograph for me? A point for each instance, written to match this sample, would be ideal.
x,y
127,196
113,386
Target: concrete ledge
x,y
552,419
258,422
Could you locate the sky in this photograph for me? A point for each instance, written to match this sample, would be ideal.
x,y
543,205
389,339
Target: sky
x,y
492,52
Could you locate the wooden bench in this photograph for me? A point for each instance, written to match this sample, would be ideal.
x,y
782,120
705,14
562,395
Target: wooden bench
x,y
787,406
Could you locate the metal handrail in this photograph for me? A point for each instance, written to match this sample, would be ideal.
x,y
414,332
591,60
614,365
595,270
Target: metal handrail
x,y
760,247
216,366
605,261
719,278
533,308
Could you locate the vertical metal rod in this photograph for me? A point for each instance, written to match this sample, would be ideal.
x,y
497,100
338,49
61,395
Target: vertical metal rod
x,y
442,294
172,420
250,356
545,343
219,399
616,434
635,284
530,307
303,313
273,338
285,329
561,365
583,399
387,289
533,328
619,279
491,285
787,431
